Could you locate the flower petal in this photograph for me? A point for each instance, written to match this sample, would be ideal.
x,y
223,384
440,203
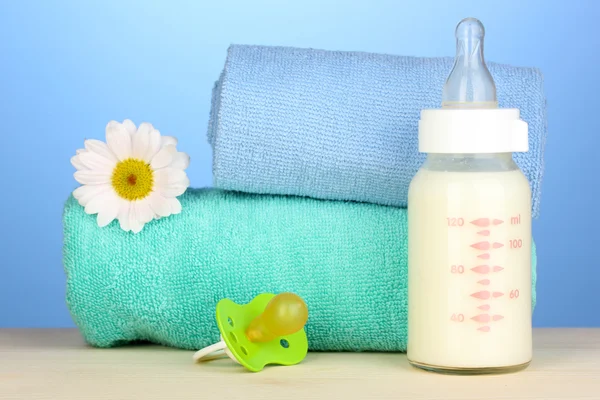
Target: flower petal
x,y
96,162
168,140
129,126
109,211
124,215
175,205
141,139
153,145
162,158
92,177
134,223
143,211
98,203
100,148
159,205
173,190
180,160
76,162
168,176
83,194
118,140
79,151
83,190
146,128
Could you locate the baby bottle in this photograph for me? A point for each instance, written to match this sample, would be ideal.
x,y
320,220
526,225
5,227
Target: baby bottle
x,y
469,219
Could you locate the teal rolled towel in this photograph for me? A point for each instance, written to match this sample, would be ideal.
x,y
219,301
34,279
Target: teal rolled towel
x,y
347,260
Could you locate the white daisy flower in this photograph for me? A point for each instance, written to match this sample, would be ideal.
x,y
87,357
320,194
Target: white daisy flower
x,y
134,177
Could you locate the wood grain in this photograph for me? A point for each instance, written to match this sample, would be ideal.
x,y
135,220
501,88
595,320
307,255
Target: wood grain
x,y
56,364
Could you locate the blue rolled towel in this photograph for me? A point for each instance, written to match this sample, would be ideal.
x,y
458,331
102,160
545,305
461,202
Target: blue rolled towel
x,y
343,125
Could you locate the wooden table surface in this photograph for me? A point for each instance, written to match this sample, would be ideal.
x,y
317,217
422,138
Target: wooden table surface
x,y
56,364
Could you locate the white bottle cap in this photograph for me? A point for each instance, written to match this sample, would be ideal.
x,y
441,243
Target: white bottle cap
x,y
470,120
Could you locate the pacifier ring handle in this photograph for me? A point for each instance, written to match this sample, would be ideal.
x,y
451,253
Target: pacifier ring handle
x,y
212,352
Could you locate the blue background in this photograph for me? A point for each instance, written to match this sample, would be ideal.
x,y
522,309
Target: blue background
x,y
68,67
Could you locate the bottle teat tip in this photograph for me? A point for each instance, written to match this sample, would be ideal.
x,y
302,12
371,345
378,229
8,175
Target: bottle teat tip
x,y
469,27
470,84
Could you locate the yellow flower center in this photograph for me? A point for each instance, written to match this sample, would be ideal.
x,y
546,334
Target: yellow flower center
x,y
132,179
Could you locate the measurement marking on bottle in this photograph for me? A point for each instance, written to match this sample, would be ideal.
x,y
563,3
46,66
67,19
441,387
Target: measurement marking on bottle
x,y
481,269
481,318
516,243
481,222
481,245
457,317
483,295
485,318
455,221
457,269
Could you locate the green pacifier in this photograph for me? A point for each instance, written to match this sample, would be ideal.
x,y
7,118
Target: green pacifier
x,y
268,330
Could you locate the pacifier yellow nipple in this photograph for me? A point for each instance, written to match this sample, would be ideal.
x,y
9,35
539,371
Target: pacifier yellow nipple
x,y
470,84
267,330
285,314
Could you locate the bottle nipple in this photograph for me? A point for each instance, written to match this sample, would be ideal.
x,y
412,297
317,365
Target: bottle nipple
x,y
470,84
285,314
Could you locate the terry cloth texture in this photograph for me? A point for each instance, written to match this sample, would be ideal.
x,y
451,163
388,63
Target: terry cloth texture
x,y
343,125
347,260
